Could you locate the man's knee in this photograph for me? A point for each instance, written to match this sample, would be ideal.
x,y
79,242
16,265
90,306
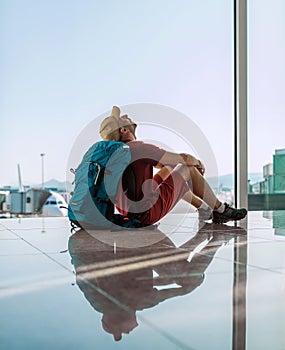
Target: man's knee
x,y
187,172
183,171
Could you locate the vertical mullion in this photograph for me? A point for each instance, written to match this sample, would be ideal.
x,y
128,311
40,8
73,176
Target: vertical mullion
x,y
240,104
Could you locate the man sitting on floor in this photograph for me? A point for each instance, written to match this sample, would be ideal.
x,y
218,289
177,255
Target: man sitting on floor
x,y
180,176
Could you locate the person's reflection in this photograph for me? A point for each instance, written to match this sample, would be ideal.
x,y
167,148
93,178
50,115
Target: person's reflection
x,y
118,284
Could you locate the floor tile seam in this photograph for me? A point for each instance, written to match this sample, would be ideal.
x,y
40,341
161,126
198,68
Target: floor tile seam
x,y
259,228
9,239
180,232
175,225
243,264
19,236
262,229
230,229
36,229
42,252
197,222
21,254
35,277
263,240
35,286
237,262
216,232
167,335
6,227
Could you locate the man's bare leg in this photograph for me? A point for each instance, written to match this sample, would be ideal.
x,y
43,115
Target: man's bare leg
x,y
200,187
202,193
189,197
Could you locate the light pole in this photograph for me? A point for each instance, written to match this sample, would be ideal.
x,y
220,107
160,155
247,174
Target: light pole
x,y
42,155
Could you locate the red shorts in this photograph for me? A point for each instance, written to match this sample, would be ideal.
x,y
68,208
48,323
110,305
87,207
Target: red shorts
x,y
170,191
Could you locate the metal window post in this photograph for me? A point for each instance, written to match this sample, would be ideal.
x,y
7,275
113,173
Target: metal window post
x,y
240,103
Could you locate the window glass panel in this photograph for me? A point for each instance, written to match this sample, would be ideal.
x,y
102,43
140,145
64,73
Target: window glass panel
x,y
266,104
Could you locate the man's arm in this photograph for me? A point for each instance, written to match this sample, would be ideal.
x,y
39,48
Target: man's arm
x,y
171,158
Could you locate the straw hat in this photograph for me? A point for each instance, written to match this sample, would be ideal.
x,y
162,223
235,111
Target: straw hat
x,y
109,128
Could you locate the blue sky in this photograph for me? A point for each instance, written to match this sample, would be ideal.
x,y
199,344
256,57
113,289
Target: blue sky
x,y
64,63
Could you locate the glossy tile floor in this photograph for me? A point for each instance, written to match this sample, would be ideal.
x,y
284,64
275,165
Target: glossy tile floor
x,y
180,287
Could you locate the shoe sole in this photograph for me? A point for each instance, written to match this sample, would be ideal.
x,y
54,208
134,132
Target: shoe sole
x,y
223,221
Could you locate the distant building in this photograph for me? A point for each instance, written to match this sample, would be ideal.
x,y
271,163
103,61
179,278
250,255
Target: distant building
x,y
273,174
279,171
266,186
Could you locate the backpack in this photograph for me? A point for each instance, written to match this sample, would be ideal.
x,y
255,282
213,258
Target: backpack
x,y
96,184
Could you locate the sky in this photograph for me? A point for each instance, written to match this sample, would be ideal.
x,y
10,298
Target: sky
x,y
65,63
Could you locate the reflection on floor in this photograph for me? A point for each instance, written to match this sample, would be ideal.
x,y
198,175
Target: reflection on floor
x,y
183,286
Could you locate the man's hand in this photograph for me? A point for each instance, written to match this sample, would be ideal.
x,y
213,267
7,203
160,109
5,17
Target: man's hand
x,y
192,161
201,168
172,159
